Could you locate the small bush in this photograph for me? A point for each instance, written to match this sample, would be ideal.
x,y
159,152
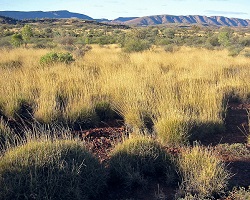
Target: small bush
x,y
247,54
5,42
39,46
235,50
62,169
136,45
139,159
16,40
53,57
203,174
171,48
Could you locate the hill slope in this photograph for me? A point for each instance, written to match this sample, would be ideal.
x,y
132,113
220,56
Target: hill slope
x,y
40,14
7,20
189,19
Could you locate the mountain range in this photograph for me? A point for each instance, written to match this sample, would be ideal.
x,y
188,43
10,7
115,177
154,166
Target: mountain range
x,y
189,19
21,15
135,21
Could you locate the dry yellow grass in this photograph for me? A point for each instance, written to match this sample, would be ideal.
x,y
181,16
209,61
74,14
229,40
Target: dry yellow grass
x,y
190,86
202,172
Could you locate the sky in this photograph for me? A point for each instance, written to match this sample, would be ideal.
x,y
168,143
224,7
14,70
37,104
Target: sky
x,y
112,9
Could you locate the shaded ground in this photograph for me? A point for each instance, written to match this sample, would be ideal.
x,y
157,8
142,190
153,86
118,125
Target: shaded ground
x,y
237,130
102,140
236,124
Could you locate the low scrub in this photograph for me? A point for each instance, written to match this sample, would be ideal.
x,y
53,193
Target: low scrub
x,y
53,57
60,169
203,174
171,48
138,160
136,45
235,50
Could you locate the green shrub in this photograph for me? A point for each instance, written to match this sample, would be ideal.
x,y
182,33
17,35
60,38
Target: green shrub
x,y
213,40
53,57
16,40
46,169
203,174
138,160
136,45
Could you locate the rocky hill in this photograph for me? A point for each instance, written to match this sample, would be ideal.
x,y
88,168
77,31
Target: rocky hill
x,y
189,19
7,20
20,15
136,21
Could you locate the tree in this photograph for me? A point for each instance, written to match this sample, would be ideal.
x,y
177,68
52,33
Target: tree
x,y
225,36
26,34
16,40
224,39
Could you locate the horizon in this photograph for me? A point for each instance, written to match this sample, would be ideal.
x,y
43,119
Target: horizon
x,y
112,9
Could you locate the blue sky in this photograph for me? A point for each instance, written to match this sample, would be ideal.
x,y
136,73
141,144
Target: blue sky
x,y
112,9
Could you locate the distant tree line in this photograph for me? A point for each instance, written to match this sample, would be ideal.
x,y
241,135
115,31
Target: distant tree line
x,y
73,36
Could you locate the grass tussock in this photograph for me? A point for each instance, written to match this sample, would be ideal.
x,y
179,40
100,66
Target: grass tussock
x,y
203,174
50,169
139,160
